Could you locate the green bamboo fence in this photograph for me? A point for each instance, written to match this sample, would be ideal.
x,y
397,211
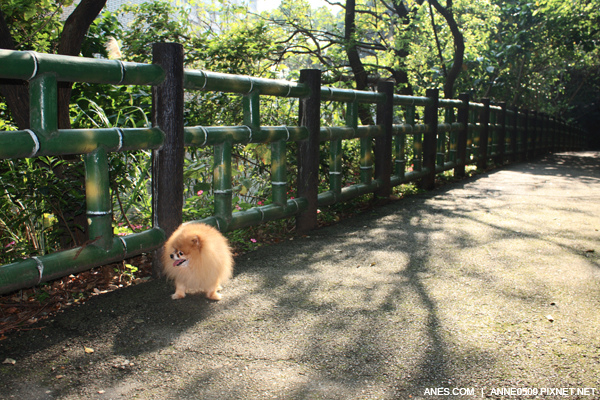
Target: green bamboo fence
x,y
440,134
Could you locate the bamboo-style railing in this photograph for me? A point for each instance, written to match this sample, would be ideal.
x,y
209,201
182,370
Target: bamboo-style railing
x,y
469,133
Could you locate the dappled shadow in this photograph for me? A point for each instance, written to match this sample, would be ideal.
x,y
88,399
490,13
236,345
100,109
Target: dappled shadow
x,y
437,290
581,166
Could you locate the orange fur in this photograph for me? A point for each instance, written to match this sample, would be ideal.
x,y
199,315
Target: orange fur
x,y
197,257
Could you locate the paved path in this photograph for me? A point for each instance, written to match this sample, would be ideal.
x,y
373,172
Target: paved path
x,y
486,288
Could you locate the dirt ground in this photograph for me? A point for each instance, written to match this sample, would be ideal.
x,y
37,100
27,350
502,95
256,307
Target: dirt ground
x,y
485,288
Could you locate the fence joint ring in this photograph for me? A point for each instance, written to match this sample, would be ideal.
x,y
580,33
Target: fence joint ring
x,y
296,203
124,245
205,80
98,213
122,71
251,85
120,133
36,142
40,268
35,64
205,136
250,133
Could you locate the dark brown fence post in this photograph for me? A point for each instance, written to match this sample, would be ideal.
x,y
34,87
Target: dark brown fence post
x,y
525,134
547,133
514,135
383,143
502,135
461,138
554,136
533,133
430,139
167,162
308,150
484,132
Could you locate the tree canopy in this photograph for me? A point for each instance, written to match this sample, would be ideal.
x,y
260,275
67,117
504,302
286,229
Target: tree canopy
x,y
541,54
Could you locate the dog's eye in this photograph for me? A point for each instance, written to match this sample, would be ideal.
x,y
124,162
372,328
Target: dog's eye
x,y
180,253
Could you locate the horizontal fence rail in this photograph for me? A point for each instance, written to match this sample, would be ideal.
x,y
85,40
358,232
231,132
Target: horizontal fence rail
x,y
443,134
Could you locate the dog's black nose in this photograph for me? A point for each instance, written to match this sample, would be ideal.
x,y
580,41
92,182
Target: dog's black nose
x,y
171,255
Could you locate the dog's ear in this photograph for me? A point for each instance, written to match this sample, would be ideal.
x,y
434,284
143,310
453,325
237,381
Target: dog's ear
x,y
196,241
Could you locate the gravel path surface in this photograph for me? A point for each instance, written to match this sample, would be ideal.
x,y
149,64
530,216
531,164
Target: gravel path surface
x,y
485,288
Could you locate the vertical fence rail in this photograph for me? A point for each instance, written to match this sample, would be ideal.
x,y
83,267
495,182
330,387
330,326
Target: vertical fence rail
x,y
430,139
501,154
471,133
461,140
308,150
484,132
383,142
167,162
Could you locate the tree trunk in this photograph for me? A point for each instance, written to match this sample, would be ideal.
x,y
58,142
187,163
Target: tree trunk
x,y
459,47
71,39
360,74
15,92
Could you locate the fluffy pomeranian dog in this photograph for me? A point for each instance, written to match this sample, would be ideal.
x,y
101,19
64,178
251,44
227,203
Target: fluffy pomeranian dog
x,y
197,257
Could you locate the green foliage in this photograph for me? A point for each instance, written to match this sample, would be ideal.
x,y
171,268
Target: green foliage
x,y
34,24
156,22
33,199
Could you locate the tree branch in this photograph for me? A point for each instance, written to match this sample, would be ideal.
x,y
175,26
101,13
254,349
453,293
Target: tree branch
x,y
71,39
15,92
437,41
459,46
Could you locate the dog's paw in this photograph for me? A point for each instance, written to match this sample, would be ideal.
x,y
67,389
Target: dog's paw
x,y
214,296
177,295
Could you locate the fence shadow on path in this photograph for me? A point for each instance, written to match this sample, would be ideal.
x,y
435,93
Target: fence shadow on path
x,y
444,289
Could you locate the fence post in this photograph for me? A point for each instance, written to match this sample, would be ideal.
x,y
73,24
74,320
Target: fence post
x,y
430,139
534,130
461,138
502,134
547,133
308,150
555,135
167,162
525,134
514,135
383,143
542,134
484,123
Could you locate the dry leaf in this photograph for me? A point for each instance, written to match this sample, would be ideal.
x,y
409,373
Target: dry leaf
x,y
9,361
88,350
